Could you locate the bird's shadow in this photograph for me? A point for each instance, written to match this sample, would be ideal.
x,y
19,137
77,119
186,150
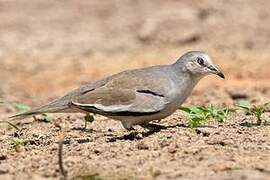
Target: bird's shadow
x,y
252,124
84,129
135,135
155,128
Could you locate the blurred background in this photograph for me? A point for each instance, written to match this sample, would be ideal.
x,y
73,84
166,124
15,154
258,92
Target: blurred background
x,y
50,47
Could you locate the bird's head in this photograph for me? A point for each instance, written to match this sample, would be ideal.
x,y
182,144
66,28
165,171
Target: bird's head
x,y
199,64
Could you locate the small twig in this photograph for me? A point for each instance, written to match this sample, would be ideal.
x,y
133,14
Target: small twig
x,y
11,124
85,125
60,159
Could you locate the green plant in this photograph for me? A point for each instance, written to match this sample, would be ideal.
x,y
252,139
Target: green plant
x,y
256,110
199,115
220,114
88,118
18,144
22,107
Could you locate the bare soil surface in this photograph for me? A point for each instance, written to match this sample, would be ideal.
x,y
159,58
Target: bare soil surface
x,y
50,47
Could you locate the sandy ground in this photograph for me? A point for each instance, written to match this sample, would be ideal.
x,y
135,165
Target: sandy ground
x,y
50,47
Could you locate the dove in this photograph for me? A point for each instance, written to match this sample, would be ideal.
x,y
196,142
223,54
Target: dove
x,y
139,96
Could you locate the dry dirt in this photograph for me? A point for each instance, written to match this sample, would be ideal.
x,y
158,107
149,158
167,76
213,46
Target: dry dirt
x,y
50,47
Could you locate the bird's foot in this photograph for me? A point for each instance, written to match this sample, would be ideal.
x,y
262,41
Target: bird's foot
x,y
133,133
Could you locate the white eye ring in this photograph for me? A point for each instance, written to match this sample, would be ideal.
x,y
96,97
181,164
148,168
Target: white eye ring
x,y
200,61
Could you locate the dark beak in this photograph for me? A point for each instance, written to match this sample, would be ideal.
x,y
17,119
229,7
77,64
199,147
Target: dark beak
x,y
221,74
217,70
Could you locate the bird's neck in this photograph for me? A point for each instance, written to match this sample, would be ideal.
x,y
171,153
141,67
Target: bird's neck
x,y
181,72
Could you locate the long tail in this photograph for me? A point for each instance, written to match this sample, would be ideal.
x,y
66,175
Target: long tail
x,y
61,105
54,107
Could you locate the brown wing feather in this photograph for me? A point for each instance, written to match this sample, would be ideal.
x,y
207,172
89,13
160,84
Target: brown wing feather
x,y
115,102
107,97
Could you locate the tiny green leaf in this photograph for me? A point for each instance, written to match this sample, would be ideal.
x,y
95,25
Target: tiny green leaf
x,y
256,110
199,115
88,118
22,107
18,142
185,109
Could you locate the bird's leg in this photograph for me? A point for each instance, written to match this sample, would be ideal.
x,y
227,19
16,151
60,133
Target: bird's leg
x,y
132,132
127,126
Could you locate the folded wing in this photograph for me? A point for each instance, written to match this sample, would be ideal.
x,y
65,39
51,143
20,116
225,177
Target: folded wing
x,y
120,102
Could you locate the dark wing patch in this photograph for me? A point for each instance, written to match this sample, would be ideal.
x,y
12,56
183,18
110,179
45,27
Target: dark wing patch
x,y
150,92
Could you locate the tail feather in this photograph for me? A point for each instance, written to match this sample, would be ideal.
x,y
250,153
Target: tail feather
x,y
23,115
57,106
50,108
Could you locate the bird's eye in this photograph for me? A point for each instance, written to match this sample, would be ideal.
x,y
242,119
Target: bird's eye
x,y
200,61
